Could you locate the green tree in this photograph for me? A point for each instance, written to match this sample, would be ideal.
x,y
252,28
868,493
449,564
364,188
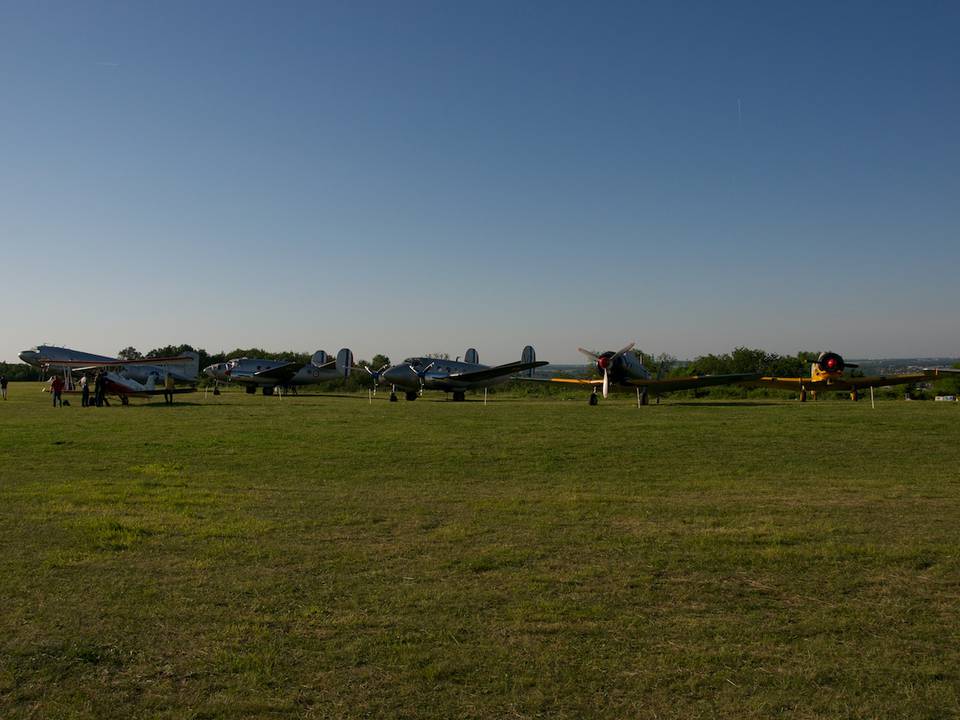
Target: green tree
x,y
129,353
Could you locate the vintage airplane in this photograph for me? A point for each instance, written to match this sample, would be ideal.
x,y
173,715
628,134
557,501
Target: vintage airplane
x,y
183,368
267,375
417,374
826,374
123,378
624,369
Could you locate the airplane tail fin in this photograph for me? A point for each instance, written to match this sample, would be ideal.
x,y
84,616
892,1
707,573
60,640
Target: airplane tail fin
x,y
192,368
344,363
185,370
528,355
472,356
320,358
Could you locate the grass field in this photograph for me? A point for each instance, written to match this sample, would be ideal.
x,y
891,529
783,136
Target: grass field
x,y
324,557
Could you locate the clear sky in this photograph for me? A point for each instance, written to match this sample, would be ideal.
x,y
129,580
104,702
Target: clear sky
x,y
411,177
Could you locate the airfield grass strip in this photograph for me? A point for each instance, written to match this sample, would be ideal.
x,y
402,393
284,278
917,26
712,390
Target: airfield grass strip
x,y
325,557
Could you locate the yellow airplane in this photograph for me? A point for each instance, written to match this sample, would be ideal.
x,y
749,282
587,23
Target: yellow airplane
x,y
827,374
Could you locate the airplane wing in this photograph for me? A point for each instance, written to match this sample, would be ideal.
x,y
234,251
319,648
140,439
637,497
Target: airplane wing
x,y
281,373
689,382
784,383
496,372
79,365
849,383
906,379
663,385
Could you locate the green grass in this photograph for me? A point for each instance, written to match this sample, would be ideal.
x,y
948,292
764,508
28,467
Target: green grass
x,y
324,557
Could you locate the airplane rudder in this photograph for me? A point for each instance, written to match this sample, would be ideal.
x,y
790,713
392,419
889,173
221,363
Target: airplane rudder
x,y
471,356
344,362
193,366
528,355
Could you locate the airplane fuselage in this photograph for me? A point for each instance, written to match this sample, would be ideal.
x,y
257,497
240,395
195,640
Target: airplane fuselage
x,y
244,371
437,377
624,368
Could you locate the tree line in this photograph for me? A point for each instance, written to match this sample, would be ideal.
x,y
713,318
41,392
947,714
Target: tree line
x,y
739,360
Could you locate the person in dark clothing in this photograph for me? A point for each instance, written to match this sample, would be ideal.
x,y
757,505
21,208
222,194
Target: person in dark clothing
x,y
98,396
56,387
3,386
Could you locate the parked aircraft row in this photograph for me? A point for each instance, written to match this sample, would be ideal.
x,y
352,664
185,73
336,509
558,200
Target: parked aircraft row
x,y
617,369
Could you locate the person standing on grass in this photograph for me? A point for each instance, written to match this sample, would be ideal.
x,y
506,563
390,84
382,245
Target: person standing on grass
x,y
84,392
57,389
98,389
3,386
168,389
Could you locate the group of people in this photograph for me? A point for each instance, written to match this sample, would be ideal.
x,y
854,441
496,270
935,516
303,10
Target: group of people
x,y
57,385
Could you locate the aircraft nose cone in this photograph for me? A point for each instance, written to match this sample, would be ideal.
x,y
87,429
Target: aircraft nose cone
x,y
29,357
210,371
394,375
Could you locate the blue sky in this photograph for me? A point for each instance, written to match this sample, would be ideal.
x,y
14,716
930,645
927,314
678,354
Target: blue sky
x,y
420,177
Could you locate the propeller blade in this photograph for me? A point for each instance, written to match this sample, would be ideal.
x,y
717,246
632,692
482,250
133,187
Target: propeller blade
x,y
589,354
628,348
606,383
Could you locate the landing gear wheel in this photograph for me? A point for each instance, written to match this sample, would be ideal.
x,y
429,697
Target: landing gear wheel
x,y
594,399
251,389
411,395
459,396
393,397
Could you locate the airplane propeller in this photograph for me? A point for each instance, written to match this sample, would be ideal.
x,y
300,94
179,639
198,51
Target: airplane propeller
x,y
421,374
375,374
605,362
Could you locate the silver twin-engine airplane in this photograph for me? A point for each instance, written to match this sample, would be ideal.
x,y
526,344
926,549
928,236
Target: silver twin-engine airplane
x,y
416,374
255,373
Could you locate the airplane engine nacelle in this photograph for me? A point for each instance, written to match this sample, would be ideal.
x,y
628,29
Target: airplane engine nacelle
x,y
830,362
344,363
472,356
319,358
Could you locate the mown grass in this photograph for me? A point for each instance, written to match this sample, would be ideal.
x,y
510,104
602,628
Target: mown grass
x,y
326,557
